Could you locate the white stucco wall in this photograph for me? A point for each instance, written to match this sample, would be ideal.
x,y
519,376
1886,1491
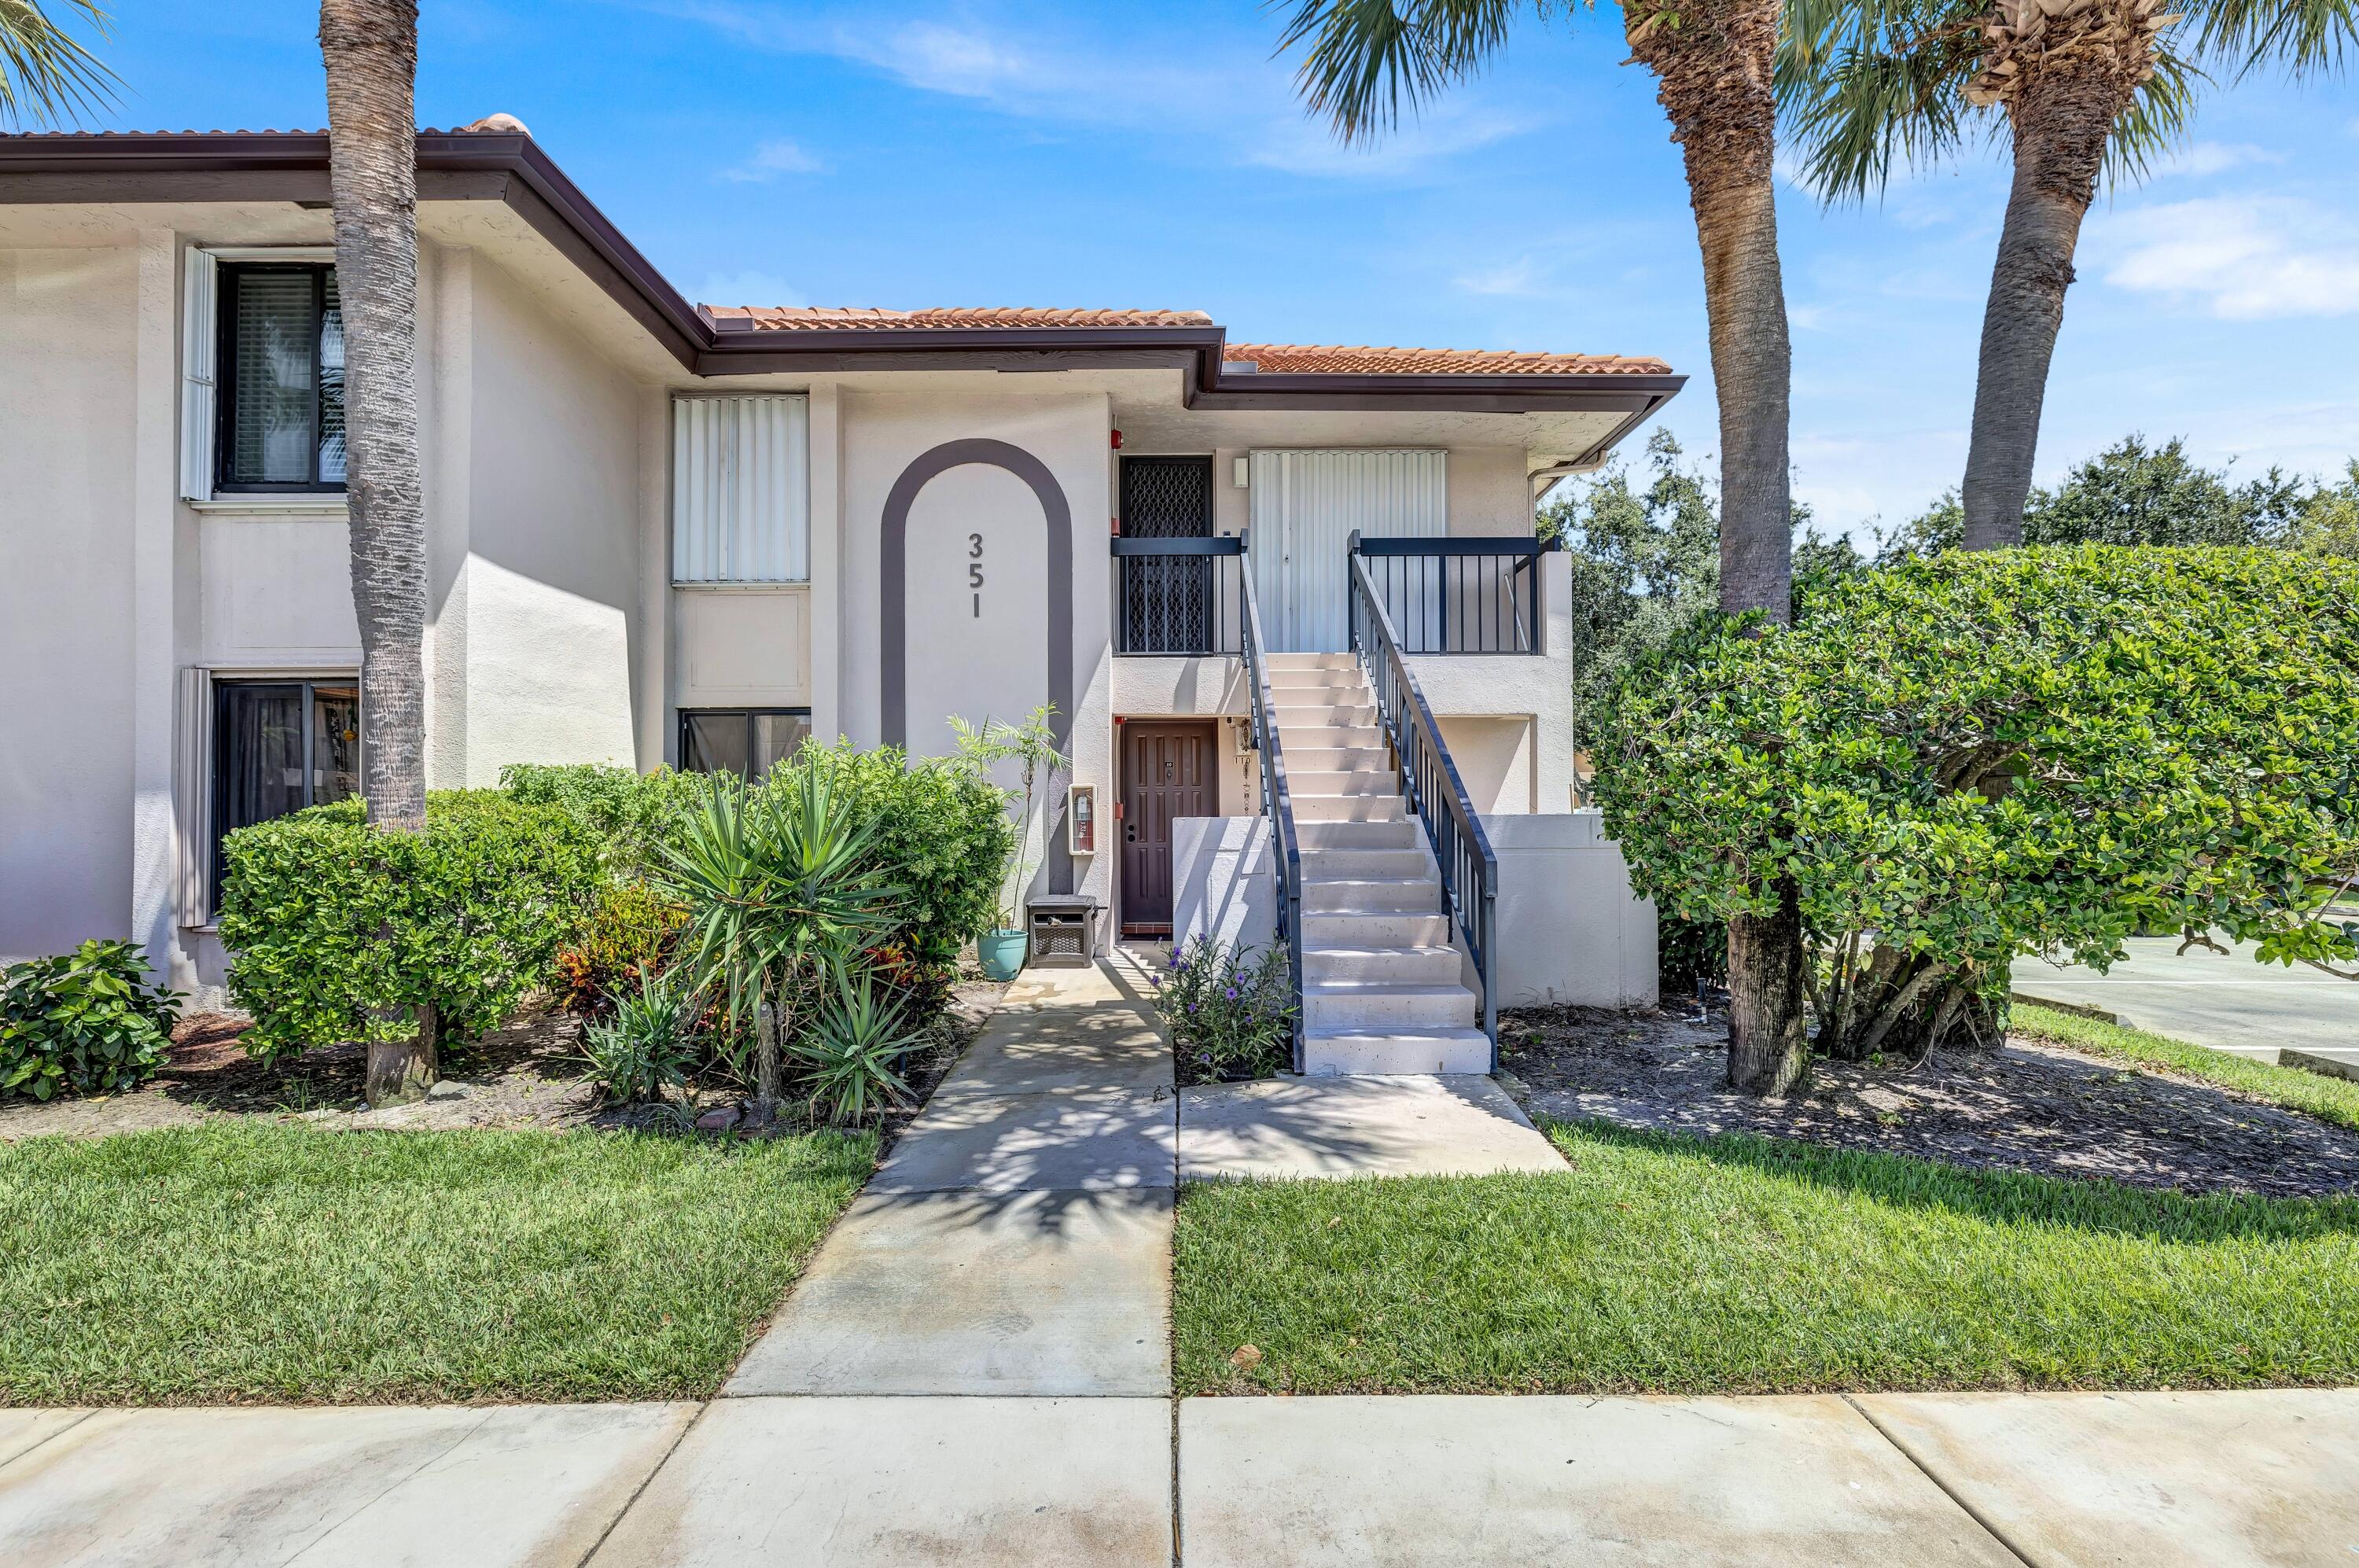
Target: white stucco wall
x,y
1488,492
552,596
991,663
1568,931
68,364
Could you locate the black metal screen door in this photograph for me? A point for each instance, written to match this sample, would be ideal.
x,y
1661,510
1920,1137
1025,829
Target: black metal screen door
x,y
1168,599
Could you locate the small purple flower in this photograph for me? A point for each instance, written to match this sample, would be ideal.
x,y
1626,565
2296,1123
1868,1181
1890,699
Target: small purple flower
x,y
1231,993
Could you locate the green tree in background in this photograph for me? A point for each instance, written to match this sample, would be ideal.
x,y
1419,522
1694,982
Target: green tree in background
x,y
2132,493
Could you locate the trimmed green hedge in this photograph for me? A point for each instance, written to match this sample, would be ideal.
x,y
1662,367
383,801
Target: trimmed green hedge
x,y
337,932
86,1022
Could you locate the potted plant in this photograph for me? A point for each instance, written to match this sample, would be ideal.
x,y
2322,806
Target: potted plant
x,y
1032,747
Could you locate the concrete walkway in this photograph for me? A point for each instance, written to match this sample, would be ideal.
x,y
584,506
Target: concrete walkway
x,y
976,1370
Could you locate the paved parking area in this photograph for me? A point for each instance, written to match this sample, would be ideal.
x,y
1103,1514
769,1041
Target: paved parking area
x,y
2227,1001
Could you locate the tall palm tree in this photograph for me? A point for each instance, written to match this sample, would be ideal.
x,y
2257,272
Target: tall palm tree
x,y
370,47
1713,62
46,74
2083,87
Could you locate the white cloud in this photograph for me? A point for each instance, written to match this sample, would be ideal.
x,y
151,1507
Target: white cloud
x,y
2240,258
2202,159
771,160
1236,105
1521,276
746,288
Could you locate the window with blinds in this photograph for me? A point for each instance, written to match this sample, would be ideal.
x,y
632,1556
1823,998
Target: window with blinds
x,y
741,489
282,386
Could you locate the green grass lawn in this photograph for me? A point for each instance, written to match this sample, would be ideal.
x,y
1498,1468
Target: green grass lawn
x,y
1735,1264
2335,1100
290,1264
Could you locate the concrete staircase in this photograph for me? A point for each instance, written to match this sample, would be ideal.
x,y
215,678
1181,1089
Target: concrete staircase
x,y
1380,979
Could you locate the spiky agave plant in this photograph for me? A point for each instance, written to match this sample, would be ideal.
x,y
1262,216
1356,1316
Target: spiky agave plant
x,y
853,1048
778,881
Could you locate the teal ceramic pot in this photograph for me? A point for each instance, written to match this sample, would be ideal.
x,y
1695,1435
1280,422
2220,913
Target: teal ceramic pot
x,y
1002,953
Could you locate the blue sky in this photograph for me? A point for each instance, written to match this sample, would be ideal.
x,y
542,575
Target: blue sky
x,y
900,153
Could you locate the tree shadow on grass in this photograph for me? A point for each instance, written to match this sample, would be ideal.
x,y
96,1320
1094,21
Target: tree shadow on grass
x,y
1994,1196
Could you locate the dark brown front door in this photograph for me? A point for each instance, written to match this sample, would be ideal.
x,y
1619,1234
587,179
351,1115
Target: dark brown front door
x,y
1167,772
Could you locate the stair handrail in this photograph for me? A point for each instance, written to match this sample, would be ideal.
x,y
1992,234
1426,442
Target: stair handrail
x,y
1430,781
1277,806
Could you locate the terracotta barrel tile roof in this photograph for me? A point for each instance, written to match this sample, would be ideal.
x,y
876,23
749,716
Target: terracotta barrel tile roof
x,y
1338,359
829,318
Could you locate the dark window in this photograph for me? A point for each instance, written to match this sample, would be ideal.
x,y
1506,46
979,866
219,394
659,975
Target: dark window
x,y
745,741
282,372
278,746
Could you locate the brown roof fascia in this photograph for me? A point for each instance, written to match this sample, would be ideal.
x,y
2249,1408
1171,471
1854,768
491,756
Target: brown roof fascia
x,y
508,167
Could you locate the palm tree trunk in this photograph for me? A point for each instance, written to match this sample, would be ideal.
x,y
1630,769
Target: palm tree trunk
x,y
1714,67
1714,70
2060,126
370,49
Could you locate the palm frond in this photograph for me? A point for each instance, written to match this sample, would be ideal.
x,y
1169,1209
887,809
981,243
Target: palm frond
x,y
2155,120
1367,57
46,73
1866,89
2303,36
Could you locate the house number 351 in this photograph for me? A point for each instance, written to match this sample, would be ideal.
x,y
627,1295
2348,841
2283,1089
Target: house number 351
x,y
974,571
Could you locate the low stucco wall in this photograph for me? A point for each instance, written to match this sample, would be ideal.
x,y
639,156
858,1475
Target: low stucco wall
x,y
1569,930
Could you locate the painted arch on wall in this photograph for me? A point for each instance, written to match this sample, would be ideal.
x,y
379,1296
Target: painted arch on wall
x,y
893,613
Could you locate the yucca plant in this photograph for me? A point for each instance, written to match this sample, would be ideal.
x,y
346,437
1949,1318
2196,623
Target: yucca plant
x,y
644,1048
854,1049
780,882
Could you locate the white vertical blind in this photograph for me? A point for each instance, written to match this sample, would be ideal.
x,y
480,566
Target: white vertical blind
x,y
741,489
200,295
1305,504
192,794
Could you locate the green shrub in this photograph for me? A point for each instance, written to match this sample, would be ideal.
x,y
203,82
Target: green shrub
x,y
633,813
941,834
628,937
1983,756
87,1022
337,932
1231,1015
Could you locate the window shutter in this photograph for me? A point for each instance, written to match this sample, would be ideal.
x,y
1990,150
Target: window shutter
x,y
192,795
200,295
1306,504
741,489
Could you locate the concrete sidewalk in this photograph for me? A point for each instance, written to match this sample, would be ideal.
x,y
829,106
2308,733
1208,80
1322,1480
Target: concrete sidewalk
x,y
2228,1001
2053,1480
976,1370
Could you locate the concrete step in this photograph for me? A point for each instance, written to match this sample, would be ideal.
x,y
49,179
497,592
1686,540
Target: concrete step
x,y
1371,897
1358,864
1353,713
1330,1052
1403,835
1383,928
1349,808
1315,758
1398,965
1304,781
1385,1004
1275,663
1328,737
1348,680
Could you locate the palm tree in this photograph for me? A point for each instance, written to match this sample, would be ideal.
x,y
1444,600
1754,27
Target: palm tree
x,y
2083,87
46,74
370,47
1713,63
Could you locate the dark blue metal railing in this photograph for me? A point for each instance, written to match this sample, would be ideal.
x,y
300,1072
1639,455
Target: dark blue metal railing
x,y
1462,595
1276,802
1470,871
1178,596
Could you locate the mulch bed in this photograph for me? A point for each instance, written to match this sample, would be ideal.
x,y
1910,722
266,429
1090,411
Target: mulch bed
x,y
2028,1106
526,1074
